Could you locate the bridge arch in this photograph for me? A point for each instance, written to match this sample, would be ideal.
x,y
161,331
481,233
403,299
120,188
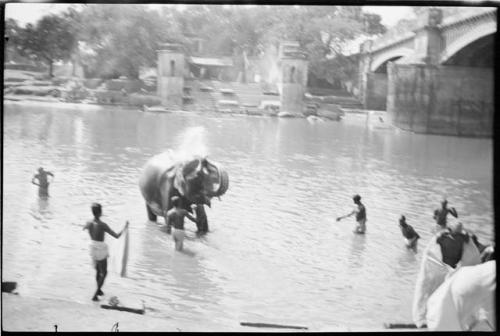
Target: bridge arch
x,y
378,61
479,31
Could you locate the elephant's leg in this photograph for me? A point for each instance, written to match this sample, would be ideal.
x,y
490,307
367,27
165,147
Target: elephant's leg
x,y
151,215
201,219
168,226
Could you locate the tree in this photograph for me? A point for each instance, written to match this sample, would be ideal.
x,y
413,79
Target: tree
x,y
372,24
122,39
50,40
12,35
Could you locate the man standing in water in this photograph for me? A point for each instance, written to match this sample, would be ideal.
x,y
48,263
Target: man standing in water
x,y
175,217
441,214
411,236
43,181
360,212
98,248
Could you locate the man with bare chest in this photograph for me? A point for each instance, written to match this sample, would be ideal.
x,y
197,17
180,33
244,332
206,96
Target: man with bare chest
x,y
98,248
43,181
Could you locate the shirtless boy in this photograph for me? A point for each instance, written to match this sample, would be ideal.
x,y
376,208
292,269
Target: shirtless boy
x,y
175,218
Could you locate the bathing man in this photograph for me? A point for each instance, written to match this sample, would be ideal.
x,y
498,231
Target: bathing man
x,y
175,218
98,248
360,212
441,214
411,236
43,181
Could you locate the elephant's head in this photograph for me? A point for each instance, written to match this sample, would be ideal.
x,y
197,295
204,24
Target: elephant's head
x,y
198,180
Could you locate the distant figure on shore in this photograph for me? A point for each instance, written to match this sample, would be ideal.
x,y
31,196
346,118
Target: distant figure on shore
x,y
98,248
43,181
360,212
411,236
175,218
441,214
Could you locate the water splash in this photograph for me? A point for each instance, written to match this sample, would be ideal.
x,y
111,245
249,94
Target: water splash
x,y
192,141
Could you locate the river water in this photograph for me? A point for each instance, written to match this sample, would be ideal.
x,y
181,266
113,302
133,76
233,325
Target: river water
x,y
275,252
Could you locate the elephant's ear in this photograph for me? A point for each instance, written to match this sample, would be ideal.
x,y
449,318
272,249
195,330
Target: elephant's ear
x,y
178,180
184,172
191,168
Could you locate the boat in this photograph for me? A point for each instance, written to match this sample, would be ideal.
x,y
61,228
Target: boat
x,y
314,119
161,109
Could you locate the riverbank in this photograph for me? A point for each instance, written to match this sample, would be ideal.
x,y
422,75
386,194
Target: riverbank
x,y
21,313
31,314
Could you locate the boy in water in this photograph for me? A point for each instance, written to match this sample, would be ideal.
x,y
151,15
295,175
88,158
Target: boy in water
x,y
411,236
98,248
175,218
43,181
360,212
441,214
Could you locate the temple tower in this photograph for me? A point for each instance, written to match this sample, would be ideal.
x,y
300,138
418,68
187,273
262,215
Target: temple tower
x,y
170,80
293,79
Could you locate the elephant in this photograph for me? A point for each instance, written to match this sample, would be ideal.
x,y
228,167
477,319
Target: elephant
x,y
195,179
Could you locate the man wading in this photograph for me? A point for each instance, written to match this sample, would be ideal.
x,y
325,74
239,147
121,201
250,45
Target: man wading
x,y
43,181
411,236
98,248
360,212
441,214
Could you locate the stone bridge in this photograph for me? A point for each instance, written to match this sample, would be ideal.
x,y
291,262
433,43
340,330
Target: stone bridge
x,y
447,48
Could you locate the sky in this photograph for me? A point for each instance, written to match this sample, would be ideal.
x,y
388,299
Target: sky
x,y
30,12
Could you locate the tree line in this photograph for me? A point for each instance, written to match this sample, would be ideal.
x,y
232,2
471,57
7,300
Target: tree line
x,y
111,40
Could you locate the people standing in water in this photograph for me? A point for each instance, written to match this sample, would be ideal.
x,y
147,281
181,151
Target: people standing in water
x,y
411,236
441,214
43,181
175,218
98,248
360,212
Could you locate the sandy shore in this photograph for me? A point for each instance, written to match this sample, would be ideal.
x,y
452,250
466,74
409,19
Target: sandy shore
x,y
31,314
21,313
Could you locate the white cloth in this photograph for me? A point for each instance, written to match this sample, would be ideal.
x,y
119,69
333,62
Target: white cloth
x,y
360,226
178,234
465,300
98,250
178,237
119,255
411,242
433,272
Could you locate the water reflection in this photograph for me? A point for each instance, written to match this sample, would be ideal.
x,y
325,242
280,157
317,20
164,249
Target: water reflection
x,y
356,251
43,205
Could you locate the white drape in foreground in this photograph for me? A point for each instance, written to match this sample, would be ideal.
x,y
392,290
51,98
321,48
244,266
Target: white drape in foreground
x,y
433,272
465,301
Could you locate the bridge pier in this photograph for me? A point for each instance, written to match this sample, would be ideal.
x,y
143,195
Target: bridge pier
x,y
441,99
